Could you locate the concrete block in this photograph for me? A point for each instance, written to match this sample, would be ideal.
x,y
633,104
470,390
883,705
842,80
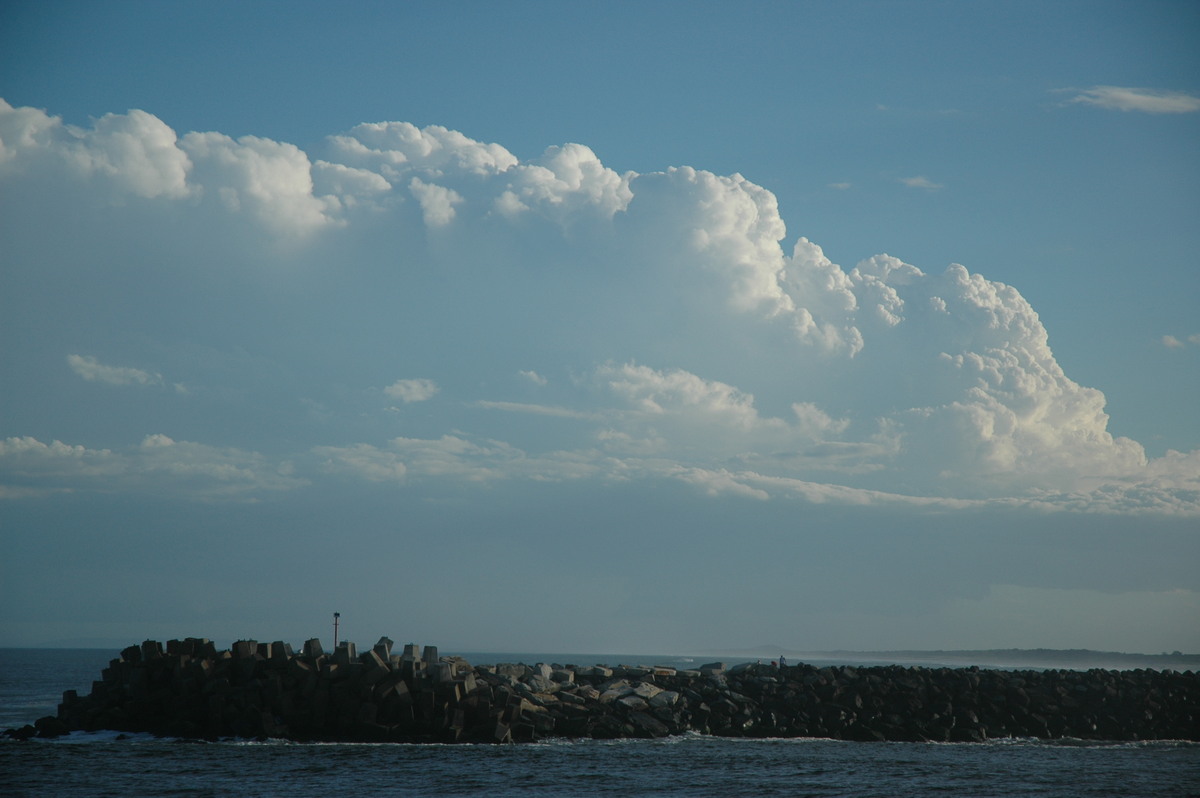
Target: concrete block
x,y
387,687
369,677
616,689
424,705
646,690
634,671
449,693
633,703
469,682
411,652
179,663
50,726
299,669
664,698
514,670
595,672
586,691
461,666
384,648
411,669
346,653
243,649
201,647
246,669
541,684
543,723
313,649
647,725
430,655
374,669
402,694
200,669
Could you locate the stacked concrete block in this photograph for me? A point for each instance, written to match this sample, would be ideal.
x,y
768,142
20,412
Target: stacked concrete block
x,y
189,689
442,672
243,649
345,653
514,670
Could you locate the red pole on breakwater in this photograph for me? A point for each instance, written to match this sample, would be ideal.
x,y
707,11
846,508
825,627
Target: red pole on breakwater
x,y
336,615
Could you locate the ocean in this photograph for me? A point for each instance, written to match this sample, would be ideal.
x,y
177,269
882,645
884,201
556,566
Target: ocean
x,y
108,764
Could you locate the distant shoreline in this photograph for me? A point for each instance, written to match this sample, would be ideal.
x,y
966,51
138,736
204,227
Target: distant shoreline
x,y
1008,658
1074,659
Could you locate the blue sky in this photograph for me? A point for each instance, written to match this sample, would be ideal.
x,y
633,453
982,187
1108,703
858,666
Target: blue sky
x,y
639,327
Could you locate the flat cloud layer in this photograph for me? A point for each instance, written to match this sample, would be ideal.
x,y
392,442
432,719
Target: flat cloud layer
x,y
1150,101
669,330
237,373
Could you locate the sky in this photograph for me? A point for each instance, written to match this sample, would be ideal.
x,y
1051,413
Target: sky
x,y
602,327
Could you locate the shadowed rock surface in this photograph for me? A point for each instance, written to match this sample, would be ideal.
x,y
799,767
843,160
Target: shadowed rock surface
x,y
190,689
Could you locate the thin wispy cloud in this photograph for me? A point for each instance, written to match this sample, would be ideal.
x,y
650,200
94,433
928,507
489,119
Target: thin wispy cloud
x,y
537,410
92,370
920,181
1173,342
533,376
1150,101
157,465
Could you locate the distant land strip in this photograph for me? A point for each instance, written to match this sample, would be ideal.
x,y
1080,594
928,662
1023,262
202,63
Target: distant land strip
x,y
1077,658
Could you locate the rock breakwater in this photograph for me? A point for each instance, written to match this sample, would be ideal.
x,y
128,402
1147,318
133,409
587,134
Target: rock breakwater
x,y
189,689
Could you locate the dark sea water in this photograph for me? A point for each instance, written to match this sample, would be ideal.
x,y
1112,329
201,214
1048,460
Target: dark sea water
x,y
107,764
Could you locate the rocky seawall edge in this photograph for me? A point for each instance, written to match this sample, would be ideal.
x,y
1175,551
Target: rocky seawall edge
x,y
189,689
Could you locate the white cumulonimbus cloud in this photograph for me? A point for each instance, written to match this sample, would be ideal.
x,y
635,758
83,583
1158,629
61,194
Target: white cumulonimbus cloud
x,y
699,347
